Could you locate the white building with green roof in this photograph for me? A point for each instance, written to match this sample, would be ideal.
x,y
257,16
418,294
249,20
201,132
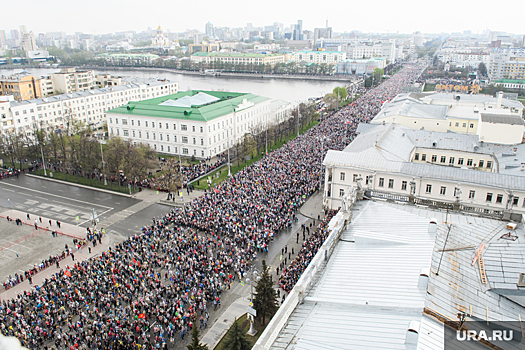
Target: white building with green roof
x,y
190,123
237,58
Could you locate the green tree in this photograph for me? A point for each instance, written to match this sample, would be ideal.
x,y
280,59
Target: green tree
x,y
482,68
378,75
236,338
265,301
341,93
195,343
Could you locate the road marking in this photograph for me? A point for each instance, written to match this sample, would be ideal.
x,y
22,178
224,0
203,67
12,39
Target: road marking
x,y
60,191
117,203
50,194
43,186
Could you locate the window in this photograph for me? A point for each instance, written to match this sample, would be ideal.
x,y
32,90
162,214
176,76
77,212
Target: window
x,y
124,122
133,133
138,122
442,190
184,151
168,148
184,127
202,142
202,129
416,156
429,188
403,186
471,194
167,129
343,175
125,132
451,160
193,128
160,127
434,158
469,162
489,164
147,135
116,120
154,138
489,197
194,141
341,193
481,163
146,124
457,124
499,198
423,157
140,134
167,137
443,159
174,126
472,126
368,179
184,139
161,146
152,124
381,182
460,161
464,125
354,179
390,183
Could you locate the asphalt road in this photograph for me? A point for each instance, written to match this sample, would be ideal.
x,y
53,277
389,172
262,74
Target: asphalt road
x,y
59,201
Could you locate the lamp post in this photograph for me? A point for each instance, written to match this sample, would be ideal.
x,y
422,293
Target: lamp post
x,y
103,165
43,160
228,145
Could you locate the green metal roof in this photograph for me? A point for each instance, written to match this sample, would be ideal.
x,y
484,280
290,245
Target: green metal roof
x,y
128,55
510,81
234,54
152,107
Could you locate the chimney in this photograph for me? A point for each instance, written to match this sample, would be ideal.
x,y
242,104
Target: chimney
x,y
500,98
422,283
412,335
432,226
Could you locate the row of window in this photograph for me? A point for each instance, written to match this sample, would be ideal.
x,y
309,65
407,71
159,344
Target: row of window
x,y
452,160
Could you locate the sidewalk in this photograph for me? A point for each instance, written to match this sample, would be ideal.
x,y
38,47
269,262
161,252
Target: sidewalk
x,y
38,279
219,329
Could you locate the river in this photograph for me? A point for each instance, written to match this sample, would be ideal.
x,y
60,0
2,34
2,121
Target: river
x,y
284,89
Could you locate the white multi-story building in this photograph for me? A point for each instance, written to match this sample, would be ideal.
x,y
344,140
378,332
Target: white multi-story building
x,y
319,57
88,107
70,80
394,162
464,57
190,123
509,66
497,120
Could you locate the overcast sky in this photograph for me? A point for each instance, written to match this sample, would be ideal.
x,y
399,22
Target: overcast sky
x,y
405,16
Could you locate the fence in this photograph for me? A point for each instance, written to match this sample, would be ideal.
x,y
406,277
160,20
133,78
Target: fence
x,y
296,297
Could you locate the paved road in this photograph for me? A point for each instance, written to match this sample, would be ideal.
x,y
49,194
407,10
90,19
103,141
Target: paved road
x,y
59,201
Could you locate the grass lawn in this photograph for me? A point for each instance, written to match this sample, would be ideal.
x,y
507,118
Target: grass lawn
x,y
429,87
244,320
8,164
203,185
82,181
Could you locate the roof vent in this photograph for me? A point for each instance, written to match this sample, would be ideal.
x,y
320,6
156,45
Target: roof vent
x,y
434,144
432,226
412,335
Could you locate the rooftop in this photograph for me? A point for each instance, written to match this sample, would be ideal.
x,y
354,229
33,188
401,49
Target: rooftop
x,y
383,278
191,105
502,119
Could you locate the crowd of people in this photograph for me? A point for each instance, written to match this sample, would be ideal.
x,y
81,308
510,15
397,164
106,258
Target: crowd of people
x,y
291,274
154,287
189,173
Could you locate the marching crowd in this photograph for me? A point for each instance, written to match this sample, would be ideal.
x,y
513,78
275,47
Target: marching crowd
x,y
154,287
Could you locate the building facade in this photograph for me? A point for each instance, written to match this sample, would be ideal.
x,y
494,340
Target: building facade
x,y
318,57
430,167
22,87
69,80
190,123
88,107
237,58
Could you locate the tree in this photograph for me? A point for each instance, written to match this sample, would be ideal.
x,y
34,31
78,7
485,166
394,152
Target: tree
x,y
195,343
236,338
341,93
265,301
378,75
482,68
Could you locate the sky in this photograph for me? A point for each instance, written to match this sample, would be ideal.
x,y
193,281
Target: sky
x,y
380,16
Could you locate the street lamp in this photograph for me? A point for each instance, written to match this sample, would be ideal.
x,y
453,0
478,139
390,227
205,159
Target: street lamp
x,y
103,165
228,145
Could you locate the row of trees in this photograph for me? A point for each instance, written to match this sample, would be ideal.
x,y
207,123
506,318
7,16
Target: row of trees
x,y
78,153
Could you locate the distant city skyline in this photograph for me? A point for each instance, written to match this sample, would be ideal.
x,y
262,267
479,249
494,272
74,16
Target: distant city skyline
x,y
405,17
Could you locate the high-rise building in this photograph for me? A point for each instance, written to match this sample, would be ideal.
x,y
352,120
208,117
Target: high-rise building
x,y
23,30
298,30
28,42
3,38
322,33
210,30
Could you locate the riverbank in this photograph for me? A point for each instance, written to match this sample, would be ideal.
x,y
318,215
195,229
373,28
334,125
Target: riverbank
x,y
258,76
